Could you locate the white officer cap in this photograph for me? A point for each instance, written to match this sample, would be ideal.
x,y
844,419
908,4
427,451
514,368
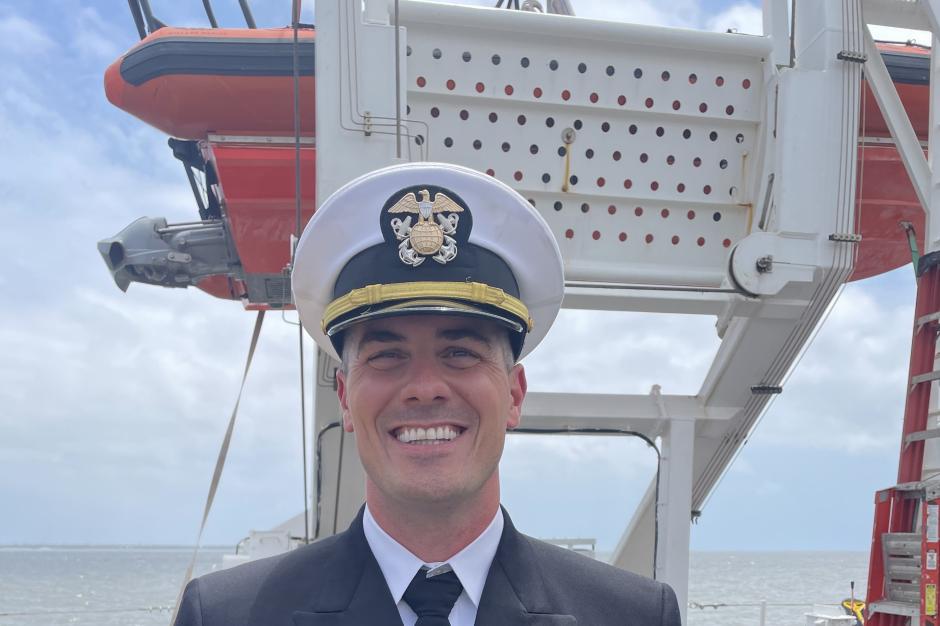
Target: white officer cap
x,y
427,238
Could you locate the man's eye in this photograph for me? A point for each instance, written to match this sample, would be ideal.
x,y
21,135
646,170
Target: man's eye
x,y
385,359
461,357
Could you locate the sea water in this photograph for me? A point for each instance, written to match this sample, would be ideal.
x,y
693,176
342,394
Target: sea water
x,y
136,586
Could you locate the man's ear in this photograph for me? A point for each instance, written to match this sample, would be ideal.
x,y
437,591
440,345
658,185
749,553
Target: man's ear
x,y
517,391
341,390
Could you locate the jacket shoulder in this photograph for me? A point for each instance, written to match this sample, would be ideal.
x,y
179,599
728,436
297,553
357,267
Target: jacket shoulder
x,y
227,596
589,587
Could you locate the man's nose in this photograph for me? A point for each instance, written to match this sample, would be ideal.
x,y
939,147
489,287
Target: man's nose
x,y
425,383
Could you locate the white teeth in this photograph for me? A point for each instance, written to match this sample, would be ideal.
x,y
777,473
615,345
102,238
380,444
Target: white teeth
x,y
440,434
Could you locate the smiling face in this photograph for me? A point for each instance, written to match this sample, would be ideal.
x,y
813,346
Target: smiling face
x,y
430,399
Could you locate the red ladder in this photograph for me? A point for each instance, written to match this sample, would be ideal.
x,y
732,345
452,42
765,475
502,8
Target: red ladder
x,y
902,573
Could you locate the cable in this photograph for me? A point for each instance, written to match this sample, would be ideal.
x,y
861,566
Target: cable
x,y
246,11
206,4
613,431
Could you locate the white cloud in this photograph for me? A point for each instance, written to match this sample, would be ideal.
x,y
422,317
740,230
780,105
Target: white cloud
x,y
22,37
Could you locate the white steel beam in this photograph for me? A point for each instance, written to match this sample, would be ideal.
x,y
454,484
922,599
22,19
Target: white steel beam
x,y
612,410
897,120
776,26
894,13
932,236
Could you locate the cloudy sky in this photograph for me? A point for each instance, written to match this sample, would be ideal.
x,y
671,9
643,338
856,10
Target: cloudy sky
x,y
112,405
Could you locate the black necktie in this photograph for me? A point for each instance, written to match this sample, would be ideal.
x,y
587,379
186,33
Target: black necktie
x,y
433,598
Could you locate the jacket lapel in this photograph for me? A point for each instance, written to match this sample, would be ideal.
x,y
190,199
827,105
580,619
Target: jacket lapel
x,y
336,582
514,592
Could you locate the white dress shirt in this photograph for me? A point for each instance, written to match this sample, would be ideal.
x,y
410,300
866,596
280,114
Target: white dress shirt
x,y
471,565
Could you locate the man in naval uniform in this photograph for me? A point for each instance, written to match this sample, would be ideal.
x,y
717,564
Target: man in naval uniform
x,y
429,282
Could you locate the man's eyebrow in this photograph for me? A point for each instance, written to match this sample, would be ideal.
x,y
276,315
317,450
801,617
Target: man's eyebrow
x,y
381,336
455,334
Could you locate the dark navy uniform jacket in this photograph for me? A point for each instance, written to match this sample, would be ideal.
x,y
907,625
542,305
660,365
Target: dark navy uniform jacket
x,y
337,582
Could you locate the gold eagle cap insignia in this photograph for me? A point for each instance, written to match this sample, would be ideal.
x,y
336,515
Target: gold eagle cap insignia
x,y
409,203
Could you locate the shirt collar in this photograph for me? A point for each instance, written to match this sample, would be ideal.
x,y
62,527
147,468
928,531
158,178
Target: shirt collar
x,y
399,565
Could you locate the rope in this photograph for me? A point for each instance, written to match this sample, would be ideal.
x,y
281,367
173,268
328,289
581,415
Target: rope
x,y
220,462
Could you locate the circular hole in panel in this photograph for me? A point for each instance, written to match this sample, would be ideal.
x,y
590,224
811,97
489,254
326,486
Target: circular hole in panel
x,y
675,240
464,114
593,97
562,151
495,59
605,126
637,73
408,51
723,164
664,213
611,209
553,65
697,161
627,183
713,136
732,190
700,241
621,99
436,53
505,146
449,142
451,84
521,120
707,189
720,81
644,157
493,117
569,233
623,236
435,111
632,129
490,172
480,87
573,179
664,75
610,70
680,187
407,109
660,131
589,153
739,138
690,215
649,237
649,103
537,92
524,61
726,243
421,81
693,78
477,144
546,177
638,211
508,90
703,107
565,95
534,149
670,160
676,105
729,110
466,56
654,185
577,124
517,175
596,234
582,68
585,207
716,216
419,139
616,155
686,133
601,182
557,205
746,83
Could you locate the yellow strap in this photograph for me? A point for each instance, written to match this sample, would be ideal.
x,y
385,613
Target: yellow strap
x,y
479,293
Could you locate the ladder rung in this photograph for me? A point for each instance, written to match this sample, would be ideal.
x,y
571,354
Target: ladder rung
x,y
933,317
921,435
895,608
923,378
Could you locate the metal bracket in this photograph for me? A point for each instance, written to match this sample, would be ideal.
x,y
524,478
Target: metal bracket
x,y
852,57
845,237
766,390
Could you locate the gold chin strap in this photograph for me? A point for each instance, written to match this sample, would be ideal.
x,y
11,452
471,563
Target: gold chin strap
x,y
478,293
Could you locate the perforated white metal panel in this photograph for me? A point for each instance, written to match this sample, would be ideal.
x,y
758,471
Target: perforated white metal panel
x,y
636,154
